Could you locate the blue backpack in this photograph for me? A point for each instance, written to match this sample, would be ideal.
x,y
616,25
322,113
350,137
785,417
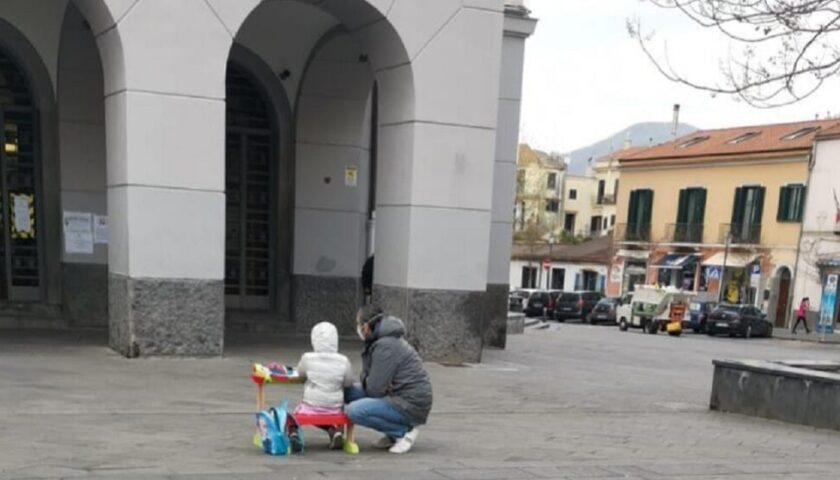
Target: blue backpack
x,y
273,432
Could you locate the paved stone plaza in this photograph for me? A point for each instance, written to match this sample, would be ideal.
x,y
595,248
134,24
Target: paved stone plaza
x,y
571,402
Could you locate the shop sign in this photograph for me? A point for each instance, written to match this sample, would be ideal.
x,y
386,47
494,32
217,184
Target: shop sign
x,y
828,306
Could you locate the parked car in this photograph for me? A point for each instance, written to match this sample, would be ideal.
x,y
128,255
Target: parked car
x,y
541,303
518,299
699,314
738,320
604,311
515,301
575,305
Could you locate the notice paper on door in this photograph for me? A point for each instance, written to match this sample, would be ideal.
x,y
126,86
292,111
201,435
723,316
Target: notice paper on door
x,y
21,210
100,229
78,232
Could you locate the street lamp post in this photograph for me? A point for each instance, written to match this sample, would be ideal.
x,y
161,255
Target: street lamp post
x,y
551,240
723,268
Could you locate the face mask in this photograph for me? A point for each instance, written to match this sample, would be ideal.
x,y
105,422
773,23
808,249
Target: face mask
x,y
360,333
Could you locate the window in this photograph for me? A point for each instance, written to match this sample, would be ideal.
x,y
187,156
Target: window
x,y
606,223
612,220
552,205
791,203
615,190
800,133
693,141
551,184
743,138
573,194
746,214
602,185
519,216
595,224
558,278
529,277
569,223
691,211
639,215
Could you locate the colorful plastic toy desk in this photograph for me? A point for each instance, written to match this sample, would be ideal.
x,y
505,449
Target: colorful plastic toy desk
x,y
282,374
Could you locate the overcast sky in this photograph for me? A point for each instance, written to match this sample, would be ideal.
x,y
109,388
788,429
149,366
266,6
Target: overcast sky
x,y
586,79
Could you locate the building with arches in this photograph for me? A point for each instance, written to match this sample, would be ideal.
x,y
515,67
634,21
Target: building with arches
x,y
173,169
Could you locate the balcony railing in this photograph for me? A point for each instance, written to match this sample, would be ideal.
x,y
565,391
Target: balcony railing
x,y
685,232
605,200
743,233
632,232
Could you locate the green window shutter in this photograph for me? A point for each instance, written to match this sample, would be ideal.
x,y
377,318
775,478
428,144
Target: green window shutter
x,y
758,212
682,207
700,212
648,207
785,194
633,209
738,207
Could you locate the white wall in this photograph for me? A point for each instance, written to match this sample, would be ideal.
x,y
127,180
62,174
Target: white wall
x,y
818,237
333,135
571,271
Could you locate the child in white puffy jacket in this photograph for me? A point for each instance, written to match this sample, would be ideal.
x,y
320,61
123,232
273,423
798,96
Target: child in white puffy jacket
x,y
327,373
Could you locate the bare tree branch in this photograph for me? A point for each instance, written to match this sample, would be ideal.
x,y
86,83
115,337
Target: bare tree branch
x,y
789,48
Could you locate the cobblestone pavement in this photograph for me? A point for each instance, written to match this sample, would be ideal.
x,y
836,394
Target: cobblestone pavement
x,y
569,402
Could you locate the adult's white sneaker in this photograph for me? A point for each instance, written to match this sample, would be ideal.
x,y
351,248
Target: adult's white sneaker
x,y
404,444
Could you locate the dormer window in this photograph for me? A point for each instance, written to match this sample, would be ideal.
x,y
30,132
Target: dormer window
x,y
800,133
693,141
743,138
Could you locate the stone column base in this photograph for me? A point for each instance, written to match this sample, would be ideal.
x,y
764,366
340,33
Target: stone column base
x,y
443,325
165,317
496,305
318,299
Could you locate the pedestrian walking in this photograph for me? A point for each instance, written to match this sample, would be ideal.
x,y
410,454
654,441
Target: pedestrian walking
x,y
802,315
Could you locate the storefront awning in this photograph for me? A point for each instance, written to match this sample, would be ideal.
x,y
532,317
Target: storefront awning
x,y
734,259
675,261
635,254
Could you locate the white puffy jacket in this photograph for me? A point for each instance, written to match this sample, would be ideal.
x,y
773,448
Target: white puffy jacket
x,y
327,372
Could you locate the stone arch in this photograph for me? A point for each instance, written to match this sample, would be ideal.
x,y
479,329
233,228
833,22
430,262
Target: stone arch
x,y
30,61
334,139
282,125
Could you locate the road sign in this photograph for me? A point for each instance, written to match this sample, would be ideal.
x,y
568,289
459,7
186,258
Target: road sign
x,y
828,306
546,264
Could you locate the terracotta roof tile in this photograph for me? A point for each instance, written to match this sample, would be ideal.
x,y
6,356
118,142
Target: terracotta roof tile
x,y
832,132
737,141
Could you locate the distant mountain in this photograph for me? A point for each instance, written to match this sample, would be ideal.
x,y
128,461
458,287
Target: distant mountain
x,y
647,133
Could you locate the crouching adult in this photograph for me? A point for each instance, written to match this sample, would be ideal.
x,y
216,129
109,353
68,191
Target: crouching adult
x,y
395,394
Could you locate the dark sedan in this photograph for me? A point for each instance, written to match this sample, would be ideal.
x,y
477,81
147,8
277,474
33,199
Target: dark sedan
x,y
738,320
604,311
540,303
575,305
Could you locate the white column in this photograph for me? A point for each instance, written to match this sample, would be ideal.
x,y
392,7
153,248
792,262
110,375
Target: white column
x,y
165,144
518,27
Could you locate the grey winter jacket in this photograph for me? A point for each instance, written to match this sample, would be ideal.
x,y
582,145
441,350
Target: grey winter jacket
x,y
392,369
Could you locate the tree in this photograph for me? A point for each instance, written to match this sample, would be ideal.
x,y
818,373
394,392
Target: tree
x,y
789,48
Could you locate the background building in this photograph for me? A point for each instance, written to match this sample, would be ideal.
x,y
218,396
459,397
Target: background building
x,y
819,246
539,187
732,196
570,267
240,149
589,200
